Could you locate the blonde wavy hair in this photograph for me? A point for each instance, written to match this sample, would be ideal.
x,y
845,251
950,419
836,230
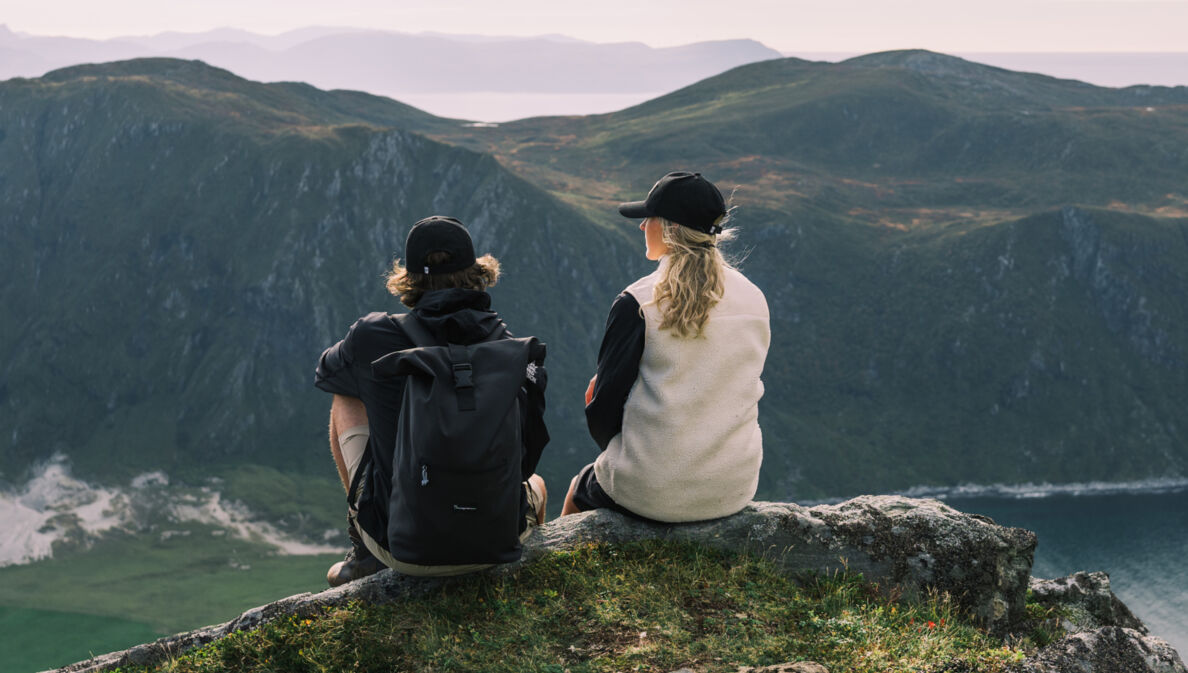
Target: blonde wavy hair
x,y
410,286
694,279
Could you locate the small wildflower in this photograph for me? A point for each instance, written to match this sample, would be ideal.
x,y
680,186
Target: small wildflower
x,y
932,625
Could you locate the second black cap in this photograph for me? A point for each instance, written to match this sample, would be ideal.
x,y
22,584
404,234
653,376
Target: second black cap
x,y
682,197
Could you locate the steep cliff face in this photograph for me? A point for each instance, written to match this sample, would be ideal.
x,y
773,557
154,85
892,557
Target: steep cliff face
x,y
181,247
1031,350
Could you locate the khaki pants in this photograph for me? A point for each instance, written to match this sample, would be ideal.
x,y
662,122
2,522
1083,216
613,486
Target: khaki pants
x,y
353,443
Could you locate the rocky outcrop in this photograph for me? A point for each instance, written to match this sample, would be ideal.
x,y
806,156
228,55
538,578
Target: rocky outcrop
x,y
903,545
1084,602
1104,635
1109,649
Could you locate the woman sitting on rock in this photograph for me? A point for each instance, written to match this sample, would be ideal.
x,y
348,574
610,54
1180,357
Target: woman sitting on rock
x,y
674,403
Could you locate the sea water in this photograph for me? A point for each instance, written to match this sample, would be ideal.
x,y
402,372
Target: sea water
x,y
1139,539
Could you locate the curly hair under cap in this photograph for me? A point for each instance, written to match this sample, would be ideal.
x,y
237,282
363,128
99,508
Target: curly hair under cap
x,y
410,286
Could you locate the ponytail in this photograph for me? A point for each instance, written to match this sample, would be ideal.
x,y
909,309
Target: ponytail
x,y
693,280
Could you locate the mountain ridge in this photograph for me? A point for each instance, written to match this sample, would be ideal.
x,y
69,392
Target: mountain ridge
x,y
370,59
875,326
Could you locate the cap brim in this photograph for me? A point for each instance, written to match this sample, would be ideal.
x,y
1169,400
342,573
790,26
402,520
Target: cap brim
x,y
634,209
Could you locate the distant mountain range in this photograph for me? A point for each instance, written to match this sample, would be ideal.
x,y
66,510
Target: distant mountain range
x,y
396,64
493,78
975,275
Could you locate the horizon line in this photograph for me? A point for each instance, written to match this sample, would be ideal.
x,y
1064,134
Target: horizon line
x,y
546,36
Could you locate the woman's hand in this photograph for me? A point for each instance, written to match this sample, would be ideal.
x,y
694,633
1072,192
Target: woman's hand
x,y
590,389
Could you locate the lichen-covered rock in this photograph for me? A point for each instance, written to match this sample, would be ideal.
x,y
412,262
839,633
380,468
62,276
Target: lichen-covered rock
x,y
1109,649
901,544
1085,602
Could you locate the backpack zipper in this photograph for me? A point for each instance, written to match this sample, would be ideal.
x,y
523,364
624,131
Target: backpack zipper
x,y
424,475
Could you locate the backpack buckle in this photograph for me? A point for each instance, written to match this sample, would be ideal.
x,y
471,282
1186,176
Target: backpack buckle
x,y
462,372
463,382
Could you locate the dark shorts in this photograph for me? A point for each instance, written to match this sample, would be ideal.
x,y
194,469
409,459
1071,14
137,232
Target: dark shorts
x,y
588,495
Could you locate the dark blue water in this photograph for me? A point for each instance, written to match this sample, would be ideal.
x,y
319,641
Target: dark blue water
x,y
1141,540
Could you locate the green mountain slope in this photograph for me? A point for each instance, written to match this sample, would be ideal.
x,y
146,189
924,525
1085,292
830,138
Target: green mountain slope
x,y
181,244
1044,349
197,89
975,275
901,130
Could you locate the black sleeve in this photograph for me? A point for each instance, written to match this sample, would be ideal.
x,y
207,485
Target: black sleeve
x,y
334,372
535,434
618,367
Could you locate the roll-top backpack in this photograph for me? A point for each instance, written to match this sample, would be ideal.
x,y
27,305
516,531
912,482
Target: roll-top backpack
x,y
456,466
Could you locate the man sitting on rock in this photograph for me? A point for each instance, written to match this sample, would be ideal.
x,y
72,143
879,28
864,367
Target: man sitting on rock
x,y
444,285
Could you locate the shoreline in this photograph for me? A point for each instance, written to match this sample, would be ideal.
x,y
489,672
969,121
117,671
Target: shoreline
x,y
1046,490
1027,491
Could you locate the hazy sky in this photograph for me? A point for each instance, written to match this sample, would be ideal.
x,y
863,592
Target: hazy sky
x,y
787,25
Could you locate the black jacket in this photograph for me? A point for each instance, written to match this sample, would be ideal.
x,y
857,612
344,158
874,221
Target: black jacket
x,y
455,316
618,368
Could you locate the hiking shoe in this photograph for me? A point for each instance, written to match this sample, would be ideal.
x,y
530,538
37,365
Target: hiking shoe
x,y
544,497
359,561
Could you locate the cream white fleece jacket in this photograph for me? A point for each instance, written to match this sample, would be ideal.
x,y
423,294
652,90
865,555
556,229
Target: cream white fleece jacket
x,y
690,447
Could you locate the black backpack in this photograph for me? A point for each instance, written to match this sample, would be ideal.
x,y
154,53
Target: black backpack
x,y
456,467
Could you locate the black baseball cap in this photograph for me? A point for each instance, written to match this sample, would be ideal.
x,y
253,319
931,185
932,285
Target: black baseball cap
x,y
438,234
682,197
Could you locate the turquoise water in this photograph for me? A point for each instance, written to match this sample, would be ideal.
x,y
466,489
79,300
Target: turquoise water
x,y
1141,540
35,640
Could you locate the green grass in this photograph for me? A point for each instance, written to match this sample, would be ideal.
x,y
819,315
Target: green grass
x,y
647,606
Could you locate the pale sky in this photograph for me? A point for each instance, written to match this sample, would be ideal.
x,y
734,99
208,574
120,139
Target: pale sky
x,y
787,25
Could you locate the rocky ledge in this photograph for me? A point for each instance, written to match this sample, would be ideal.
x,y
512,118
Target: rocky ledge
x,y
1103,634
903,545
